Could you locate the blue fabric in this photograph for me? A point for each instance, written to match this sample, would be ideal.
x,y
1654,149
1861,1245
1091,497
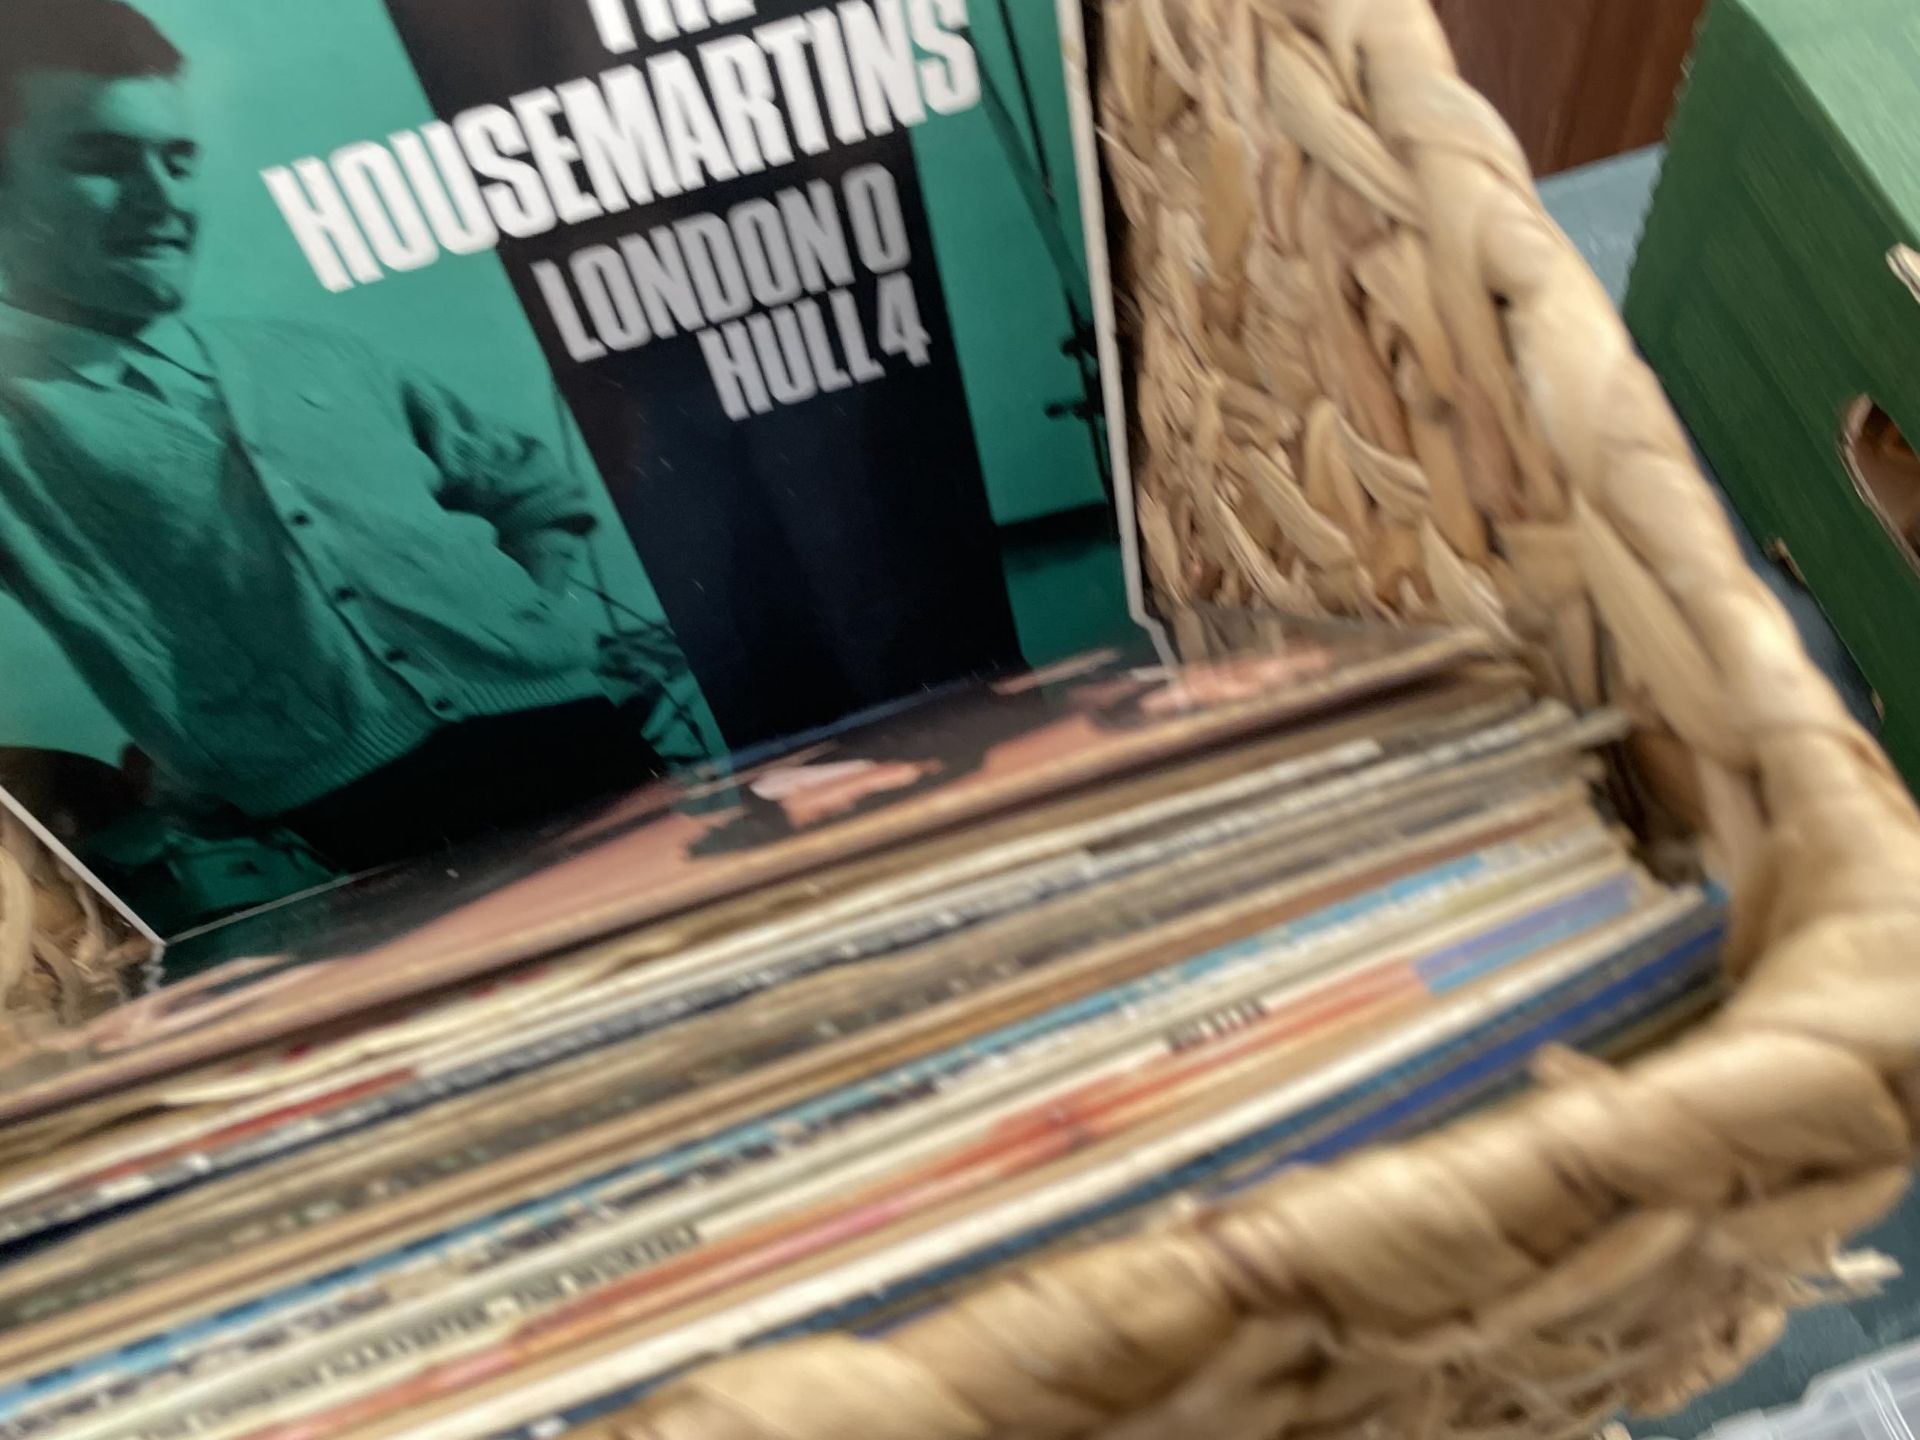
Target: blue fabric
x,y
295,581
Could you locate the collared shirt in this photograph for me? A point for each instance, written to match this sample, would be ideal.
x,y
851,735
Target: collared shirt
x,y
278,558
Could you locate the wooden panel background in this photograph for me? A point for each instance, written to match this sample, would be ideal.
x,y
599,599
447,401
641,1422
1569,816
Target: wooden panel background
x,y
1578,80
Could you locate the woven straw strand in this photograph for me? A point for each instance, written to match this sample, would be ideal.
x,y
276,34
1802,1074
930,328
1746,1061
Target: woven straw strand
x,y
62,961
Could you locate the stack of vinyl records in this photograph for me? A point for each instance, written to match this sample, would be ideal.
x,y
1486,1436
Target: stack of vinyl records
x,y
498,1144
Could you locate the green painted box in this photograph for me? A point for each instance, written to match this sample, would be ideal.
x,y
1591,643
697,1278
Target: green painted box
x,y
1777,293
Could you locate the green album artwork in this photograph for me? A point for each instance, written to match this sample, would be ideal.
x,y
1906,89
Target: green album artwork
x,y
419,418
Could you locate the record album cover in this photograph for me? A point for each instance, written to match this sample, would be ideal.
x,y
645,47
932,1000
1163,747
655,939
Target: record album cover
x,y
953,756
393,392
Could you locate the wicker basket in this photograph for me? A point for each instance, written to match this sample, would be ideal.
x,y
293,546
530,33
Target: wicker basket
x,y
64,957
1372,376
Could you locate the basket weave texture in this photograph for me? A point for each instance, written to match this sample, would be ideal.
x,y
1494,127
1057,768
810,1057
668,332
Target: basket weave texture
x,y
63,958
1372,377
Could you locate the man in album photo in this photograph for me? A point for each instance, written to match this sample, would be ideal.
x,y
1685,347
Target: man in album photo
x,y
311,585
